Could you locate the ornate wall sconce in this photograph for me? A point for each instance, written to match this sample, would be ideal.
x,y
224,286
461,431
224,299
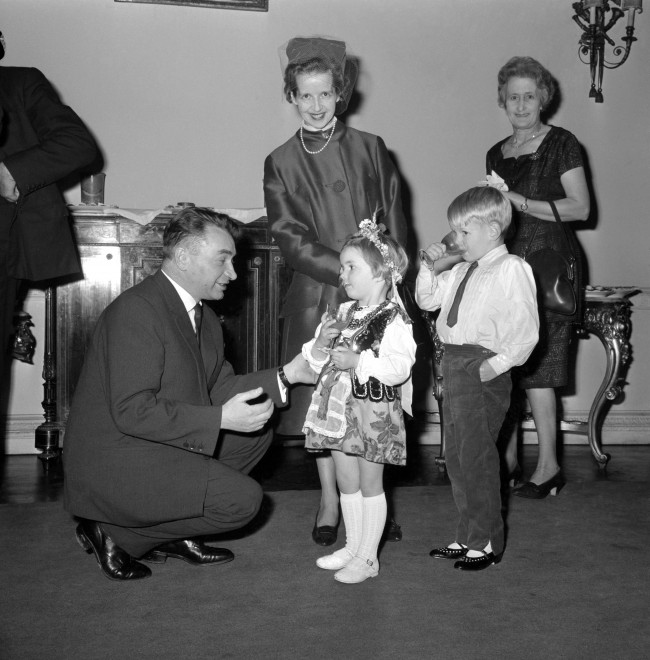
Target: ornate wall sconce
x,y
596,18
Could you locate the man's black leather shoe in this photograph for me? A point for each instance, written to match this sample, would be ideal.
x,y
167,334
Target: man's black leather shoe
x,y
191,551
115,563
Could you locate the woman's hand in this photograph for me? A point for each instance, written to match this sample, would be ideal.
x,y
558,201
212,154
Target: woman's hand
x,y
493,181
575,206
344,358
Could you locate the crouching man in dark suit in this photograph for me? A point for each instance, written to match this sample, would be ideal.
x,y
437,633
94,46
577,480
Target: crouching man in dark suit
x,y
161,435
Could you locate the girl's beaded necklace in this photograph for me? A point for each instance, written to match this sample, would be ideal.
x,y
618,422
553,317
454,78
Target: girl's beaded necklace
x,y
358,323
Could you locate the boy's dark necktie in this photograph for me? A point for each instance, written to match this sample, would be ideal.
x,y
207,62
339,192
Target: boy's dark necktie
x,y
198,319
452,317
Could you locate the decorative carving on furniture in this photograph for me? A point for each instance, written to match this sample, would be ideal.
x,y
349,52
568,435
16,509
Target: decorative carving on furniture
x,y
46,436
24,341
609,320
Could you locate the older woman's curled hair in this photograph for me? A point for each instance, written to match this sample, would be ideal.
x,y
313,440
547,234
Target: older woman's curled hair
x,y
526,67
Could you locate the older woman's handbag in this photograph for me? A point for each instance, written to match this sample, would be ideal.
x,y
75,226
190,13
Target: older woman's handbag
x,y
554,273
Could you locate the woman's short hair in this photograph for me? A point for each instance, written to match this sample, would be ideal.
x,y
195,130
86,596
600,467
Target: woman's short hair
x,y
374,258
311,66
526,67
483,204
191,224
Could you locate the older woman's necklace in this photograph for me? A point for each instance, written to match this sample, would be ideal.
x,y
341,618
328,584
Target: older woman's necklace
x,y
313,153
516,146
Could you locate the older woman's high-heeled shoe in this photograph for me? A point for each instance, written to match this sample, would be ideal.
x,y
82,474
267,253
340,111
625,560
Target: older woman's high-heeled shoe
x,y
540,491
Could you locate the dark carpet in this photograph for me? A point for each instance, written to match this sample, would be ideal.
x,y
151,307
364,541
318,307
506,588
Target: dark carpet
x,y
573,583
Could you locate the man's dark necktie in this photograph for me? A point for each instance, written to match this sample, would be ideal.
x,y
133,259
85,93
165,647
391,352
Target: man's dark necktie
x,y
452,317
198,319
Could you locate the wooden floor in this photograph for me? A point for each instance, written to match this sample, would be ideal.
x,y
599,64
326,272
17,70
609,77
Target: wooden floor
x,y
23,480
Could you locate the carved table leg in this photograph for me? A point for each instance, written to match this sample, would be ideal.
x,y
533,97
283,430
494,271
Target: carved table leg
x,y
610,322
436,358
47,434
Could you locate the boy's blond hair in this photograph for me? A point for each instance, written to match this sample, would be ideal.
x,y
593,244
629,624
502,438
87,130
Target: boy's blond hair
x,y
482,204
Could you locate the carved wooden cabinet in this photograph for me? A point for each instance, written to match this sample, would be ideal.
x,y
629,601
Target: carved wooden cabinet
x,y
117,253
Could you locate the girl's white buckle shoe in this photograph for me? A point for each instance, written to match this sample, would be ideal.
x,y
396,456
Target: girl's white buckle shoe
x,y
357,570
336,561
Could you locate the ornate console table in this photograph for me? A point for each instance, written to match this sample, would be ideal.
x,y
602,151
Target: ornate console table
x,y
117,253
608,318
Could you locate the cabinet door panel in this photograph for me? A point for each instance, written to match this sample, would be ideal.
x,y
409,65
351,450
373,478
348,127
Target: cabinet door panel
x,y
79,305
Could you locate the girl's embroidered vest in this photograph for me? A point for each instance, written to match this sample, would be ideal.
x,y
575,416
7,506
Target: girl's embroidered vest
x,y
369,337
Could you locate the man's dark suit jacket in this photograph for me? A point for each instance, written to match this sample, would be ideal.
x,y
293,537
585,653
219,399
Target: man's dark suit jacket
x,y
41,142
146,414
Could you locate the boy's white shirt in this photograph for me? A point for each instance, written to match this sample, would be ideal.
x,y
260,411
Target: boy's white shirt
x,y
498,310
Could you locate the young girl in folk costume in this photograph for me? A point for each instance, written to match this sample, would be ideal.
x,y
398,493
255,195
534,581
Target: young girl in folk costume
x,y
364,355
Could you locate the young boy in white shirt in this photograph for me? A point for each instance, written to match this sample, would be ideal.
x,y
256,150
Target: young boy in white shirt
x,y
488,323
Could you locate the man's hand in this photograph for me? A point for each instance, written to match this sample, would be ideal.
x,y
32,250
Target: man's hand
x,y
238,415
299,371
8,188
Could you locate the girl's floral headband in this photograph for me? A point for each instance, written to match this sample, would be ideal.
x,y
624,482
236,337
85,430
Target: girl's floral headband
x,y
369,229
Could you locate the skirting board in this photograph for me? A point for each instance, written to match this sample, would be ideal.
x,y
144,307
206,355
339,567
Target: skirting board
x,y
19,433
620,428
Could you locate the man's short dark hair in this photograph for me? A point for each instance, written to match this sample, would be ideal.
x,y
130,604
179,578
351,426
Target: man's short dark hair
x,y
192,223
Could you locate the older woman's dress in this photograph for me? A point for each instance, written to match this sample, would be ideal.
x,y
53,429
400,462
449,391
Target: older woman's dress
x,y
314,202
537,176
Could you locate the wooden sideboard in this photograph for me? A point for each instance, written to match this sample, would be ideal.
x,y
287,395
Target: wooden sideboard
x,y
117,253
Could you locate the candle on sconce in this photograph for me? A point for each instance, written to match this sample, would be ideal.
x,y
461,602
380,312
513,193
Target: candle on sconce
x,y
591,6
631,7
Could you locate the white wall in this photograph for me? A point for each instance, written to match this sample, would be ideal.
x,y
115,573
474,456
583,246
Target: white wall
x,y
186,102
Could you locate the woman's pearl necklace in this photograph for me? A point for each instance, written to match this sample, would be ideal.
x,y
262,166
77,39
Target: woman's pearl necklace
x,y
517,145
313,153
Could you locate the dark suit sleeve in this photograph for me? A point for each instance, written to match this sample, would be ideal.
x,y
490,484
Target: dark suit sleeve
x,y
62,144
391,191
229,384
